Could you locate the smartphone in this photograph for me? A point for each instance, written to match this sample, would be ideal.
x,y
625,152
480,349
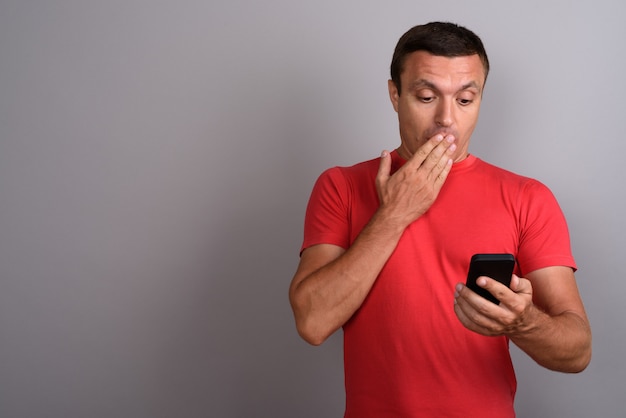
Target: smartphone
x,y
497,266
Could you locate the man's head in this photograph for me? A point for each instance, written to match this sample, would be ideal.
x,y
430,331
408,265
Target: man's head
x,y
437,38
438,74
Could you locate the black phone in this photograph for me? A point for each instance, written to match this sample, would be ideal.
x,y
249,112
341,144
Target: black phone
x,y
497,266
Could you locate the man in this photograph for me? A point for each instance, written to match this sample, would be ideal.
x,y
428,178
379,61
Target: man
x,y
388,242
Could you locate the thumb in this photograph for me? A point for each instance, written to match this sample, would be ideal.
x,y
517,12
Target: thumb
x,y
521,285
515,283
384,169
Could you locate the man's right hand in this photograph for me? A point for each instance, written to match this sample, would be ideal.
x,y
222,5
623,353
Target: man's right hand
x,y
409,192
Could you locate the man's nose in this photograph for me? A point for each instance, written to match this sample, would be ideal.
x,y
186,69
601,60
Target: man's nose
x,y
445,115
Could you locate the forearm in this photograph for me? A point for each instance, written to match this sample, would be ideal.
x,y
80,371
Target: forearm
x,y
326,297
561,343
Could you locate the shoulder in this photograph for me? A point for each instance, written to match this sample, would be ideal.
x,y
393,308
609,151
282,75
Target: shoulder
x,y
510,178
355,173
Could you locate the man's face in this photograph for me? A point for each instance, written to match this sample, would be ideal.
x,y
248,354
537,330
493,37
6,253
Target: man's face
x,y
439,95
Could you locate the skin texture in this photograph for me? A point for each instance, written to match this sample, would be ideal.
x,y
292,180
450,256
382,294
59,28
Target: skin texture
x,y
437,113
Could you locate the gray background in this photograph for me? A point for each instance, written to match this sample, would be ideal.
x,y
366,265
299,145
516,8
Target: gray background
x,y
156,159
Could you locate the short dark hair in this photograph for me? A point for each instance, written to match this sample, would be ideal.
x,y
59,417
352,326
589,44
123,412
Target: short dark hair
x,y
438,38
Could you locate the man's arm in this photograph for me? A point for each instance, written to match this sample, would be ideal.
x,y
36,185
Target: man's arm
x,y
331,283
543,315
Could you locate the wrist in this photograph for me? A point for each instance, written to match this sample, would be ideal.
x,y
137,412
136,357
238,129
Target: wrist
x,y
387,223
530,323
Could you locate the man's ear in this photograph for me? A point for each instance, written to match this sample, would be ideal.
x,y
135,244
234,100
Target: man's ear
x,y
394,94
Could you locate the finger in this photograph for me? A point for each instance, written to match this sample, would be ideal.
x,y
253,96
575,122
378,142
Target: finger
x,y
497,289
432,161
462,316
384,169
523,285
475,314
510,298
471,301
515,283
438,158
424,151
518,296
441,171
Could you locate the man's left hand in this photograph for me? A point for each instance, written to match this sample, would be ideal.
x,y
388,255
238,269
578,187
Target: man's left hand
x,y
512,316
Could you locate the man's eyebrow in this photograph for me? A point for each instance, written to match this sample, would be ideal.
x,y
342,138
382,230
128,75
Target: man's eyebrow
x,y
471,84
423,83
429,84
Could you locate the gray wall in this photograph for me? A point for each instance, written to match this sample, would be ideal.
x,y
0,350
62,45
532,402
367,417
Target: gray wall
x,y
155,162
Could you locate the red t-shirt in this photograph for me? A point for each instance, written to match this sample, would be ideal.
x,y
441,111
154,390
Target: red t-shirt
x,y
406,354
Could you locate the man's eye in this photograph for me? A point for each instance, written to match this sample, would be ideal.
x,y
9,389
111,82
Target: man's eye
x,y
465,102
426,99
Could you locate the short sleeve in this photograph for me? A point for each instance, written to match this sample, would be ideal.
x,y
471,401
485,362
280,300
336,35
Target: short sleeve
x,y
327,214
544,235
